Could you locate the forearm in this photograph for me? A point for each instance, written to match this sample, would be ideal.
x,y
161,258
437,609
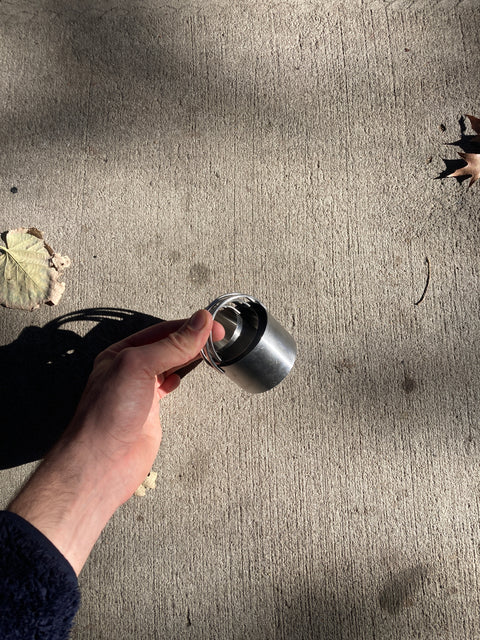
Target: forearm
x,y
114,437
65,500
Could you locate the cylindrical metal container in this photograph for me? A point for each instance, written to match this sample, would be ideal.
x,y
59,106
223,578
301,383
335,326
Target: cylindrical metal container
x,y
256,352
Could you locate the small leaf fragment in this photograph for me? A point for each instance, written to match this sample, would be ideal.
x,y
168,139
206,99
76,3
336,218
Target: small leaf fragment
x,y
148,483
472,168
475,122
150,480
29,270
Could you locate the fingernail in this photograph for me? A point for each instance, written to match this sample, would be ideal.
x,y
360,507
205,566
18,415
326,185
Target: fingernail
x,y
197,321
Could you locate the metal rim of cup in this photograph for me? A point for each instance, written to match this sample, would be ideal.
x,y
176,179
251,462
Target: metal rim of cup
x,y
209,353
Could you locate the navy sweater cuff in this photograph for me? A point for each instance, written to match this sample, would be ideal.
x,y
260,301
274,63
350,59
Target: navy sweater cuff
x,y
39,593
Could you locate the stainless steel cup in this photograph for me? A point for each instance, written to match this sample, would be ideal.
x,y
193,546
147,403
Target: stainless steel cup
x,y
256,352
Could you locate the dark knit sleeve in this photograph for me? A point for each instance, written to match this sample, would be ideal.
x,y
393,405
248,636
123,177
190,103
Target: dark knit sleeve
x,y
39,593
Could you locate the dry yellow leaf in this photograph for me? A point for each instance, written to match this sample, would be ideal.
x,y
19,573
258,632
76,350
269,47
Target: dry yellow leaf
x,y
29,270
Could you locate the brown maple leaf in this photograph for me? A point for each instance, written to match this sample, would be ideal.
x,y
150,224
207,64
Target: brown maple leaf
x,y
472,168
475,122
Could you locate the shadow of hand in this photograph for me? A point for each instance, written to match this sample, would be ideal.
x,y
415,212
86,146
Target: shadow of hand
x,y
43,374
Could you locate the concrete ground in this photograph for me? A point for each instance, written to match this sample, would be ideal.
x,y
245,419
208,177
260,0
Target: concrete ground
x,y
176,151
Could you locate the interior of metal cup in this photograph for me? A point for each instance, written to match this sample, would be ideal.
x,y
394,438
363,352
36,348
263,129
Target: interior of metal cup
x,y
244,320
244,325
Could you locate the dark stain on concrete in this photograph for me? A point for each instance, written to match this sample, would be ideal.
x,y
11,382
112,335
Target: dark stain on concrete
x,y
408,385
199,273
344,365
196,469
402,589
174,255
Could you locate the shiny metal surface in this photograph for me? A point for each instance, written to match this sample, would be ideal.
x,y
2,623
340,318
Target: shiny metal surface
x,y
257,353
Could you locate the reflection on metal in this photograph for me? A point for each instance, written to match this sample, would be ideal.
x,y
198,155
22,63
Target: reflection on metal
x,y
256,351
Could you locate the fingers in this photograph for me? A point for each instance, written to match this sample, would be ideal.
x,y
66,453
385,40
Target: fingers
x,y
146,336
174,350
217,334
168,385
155,333
186,369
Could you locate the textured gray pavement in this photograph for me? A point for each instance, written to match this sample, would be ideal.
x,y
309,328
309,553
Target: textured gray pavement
x,y
287,150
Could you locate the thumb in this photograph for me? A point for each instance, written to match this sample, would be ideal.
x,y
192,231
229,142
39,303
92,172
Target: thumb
x,y
179,347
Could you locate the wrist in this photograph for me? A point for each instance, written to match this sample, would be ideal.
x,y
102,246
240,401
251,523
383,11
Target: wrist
x,y
66,501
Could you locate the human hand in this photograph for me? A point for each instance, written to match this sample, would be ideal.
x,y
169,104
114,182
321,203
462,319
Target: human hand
x,y
113,439
118,414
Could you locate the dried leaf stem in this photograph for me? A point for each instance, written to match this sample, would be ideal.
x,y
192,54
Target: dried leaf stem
x,y
427,262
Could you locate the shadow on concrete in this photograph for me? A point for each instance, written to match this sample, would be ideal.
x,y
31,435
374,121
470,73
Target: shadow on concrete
x,y
316,615
314,611
311,611
99,56
44,372
118,67
450,167
467,144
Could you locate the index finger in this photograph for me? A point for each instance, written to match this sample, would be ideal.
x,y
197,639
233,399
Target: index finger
x,y
146,336
155,333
